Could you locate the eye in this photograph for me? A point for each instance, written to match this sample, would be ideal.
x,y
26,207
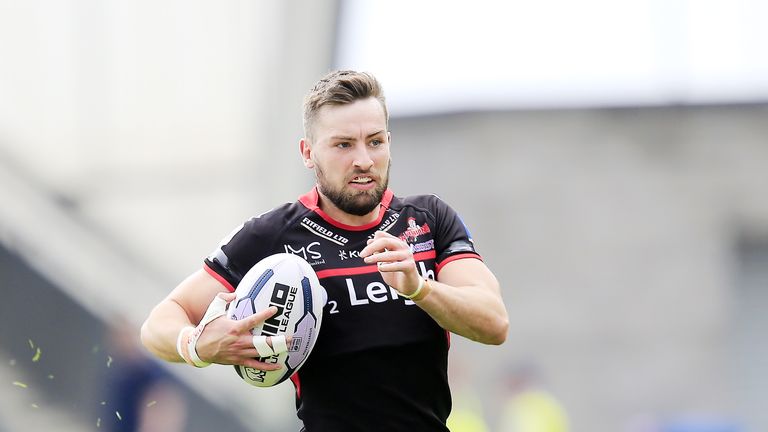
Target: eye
x,y
376,142
343,144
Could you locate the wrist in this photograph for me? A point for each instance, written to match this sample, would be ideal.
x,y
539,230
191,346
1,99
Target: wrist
x,y
186,342
186,346
181,344
421,291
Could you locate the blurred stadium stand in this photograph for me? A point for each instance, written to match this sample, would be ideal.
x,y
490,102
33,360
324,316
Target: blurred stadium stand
x,y
616,235
38,415
61,286
59,236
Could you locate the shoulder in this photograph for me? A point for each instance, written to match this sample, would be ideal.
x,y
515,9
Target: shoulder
x,y
251,241
271,222
426,202
259,233
431,204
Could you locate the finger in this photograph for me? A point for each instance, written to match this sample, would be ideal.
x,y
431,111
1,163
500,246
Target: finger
x,y
376,247
373,245
260,365
278,344
250,352
389,256
389,241
219,303
261,345
226,296
383,244
380,234
397,266
270,345
252,321
216,308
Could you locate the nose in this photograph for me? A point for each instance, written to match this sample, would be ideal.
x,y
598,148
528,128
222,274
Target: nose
x,y
363,159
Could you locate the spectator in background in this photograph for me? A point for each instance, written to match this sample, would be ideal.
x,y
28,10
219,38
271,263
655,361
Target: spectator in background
x,y
140,396
529,407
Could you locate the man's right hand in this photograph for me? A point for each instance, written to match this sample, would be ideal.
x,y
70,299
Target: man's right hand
x,y
226,341
222,340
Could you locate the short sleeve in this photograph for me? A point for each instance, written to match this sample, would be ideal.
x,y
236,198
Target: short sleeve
x,y
245,246
452,237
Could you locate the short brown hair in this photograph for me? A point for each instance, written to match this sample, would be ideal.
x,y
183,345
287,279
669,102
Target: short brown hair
x,y
341,88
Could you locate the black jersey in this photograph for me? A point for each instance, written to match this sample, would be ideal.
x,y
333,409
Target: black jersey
x,y
380,362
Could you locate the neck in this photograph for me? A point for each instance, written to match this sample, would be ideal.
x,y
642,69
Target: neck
x,y
336,213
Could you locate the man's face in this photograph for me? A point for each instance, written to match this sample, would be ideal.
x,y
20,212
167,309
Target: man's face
x,y
350,155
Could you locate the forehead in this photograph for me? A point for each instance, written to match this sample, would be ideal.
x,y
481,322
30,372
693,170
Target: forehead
x,y
363,116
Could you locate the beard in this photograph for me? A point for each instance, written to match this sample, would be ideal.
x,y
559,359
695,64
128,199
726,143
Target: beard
x,y
358,203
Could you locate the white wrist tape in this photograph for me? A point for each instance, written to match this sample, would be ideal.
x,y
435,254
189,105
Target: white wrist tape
x,y
192,347
181,343
186,344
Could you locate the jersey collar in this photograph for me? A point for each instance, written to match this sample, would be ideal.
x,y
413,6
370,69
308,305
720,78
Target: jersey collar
x,y
310,201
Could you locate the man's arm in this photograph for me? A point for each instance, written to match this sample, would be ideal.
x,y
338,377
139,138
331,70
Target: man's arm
x,y
222,341
183,307
466,300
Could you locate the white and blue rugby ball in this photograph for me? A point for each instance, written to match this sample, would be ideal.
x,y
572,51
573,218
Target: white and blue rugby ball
x,y
289,283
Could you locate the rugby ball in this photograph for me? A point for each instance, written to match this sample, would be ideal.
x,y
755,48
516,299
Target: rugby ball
x,y
289,283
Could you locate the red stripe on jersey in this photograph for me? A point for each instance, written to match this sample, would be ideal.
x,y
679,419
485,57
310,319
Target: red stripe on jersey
x,y
351,271
456,257
347,271
448,337
296,383
218,277
421,256
310,201
387,198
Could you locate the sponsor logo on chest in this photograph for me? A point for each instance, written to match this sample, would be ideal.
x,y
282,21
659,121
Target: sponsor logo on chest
x,y
389,222
366,293
412,233
323,232
309,252
348,254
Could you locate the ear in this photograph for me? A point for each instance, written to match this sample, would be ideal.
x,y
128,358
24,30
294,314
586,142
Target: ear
x,y
306,153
